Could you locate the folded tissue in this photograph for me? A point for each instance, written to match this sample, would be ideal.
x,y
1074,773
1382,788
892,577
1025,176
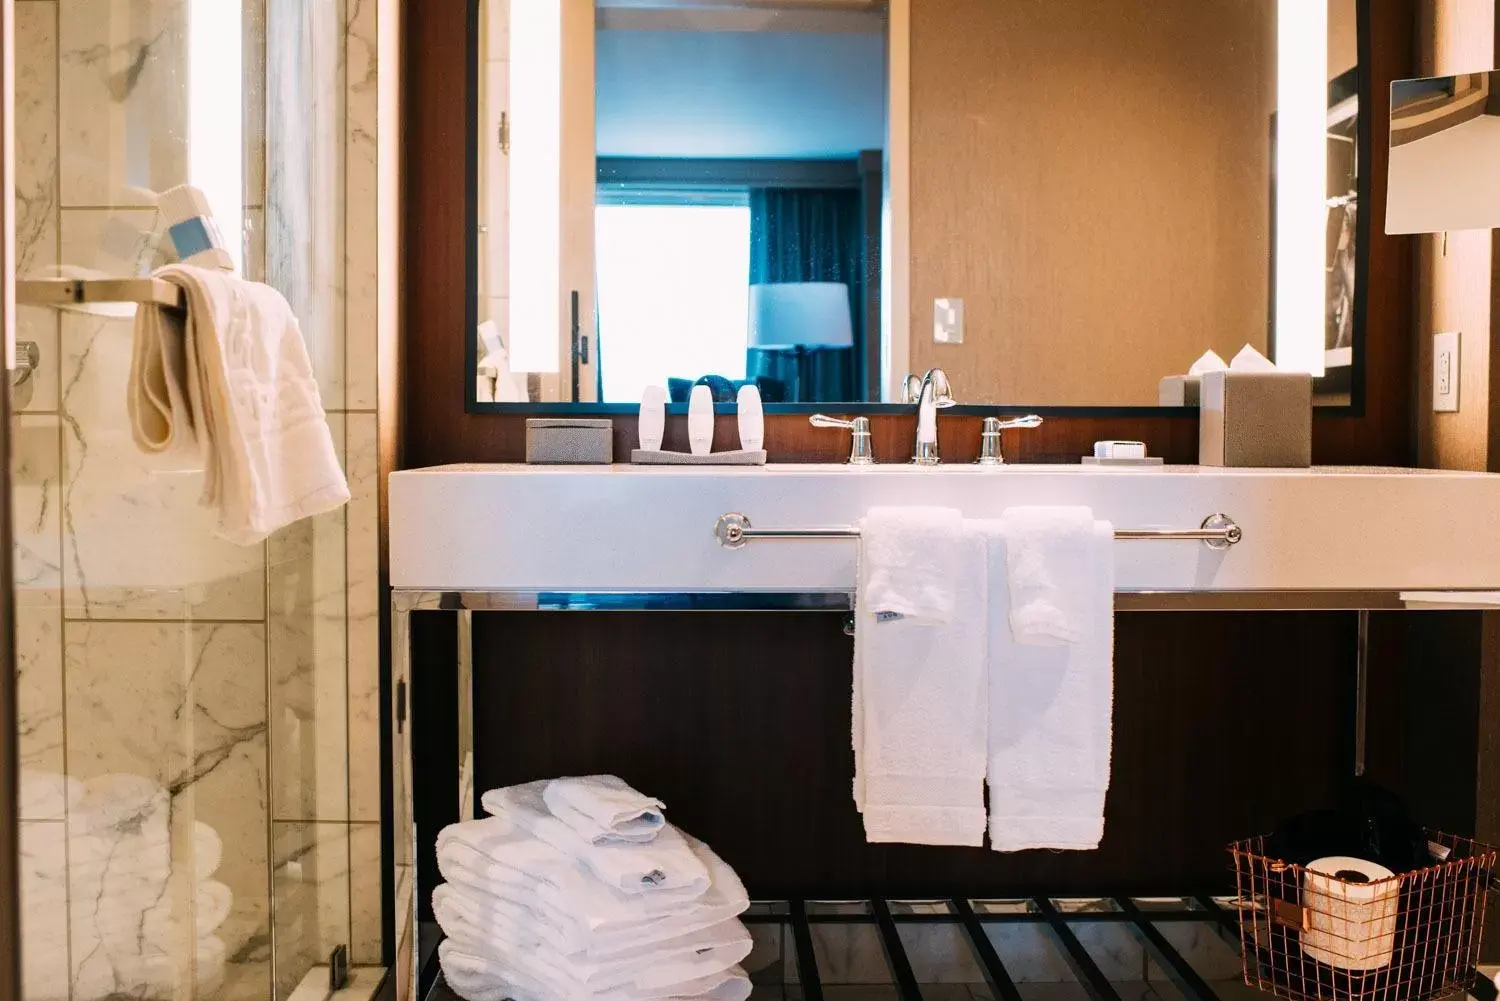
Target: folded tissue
x,y
1183,390
1254,414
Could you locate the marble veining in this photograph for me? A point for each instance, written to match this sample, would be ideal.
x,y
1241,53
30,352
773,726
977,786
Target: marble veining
x,y
123,110
307,656
361,265
363,611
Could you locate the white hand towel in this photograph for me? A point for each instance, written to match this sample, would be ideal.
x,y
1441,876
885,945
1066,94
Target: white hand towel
x,y
483,978
664,865
919,714
494,855
1050,713
907,558
1048,573
234,372
604,808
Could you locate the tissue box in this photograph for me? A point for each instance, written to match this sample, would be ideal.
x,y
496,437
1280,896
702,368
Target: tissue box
x,y
1255,419
1178,391
568,441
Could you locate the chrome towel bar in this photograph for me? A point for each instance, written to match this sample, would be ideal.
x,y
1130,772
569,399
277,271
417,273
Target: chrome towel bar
x,y
1218,532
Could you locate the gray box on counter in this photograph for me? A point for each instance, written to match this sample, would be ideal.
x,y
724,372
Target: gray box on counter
x,y
1178,391
570,441
1255,419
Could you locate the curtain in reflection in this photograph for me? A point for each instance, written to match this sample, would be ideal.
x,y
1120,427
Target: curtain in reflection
x,y
810,235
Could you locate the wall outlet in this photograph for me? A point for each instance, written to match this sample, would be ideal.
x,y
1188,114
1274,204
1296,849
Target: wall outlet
x,y
1445,372
947,321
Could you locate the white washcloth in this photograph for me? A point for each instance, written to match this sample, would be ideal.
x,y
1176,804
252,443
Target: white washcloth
x,y
604,808
1049,573
907,559
920,695
493,855
493,923
481,978
1050,713
234,372
664,865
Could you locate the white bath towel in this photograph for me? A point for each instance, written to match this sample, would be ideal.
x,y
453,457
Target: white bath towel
x,y
483,978
920,696
234,374
907,560
1050,713
493,855
495,923
604,808
479,931
663,865
1050,574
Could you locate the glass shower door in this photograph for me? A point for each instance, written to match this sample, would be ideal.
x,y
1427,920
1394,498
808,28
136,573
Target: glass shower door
x,y
192,821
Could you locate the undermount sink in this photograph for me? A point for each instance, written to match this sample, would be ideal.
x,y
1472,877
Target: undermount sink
x,y
652,529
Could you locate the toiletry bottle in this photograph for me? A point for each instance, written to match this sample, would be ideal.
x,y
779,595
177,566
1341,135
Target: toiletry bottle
x,y
653,419
701,421
751,419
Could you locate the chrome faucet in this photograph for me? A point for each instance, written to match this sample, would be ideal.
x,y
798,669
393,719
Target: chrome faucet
x,y
933,394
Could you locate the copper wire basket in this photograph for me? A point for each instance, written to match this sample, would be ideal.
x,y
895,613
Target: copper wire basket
x,y
1309,935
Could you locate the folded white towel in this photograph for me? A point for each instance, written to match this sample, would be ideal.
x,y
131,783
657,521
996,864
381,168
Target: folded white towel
x,y
664,865
907,560
1049,573
486,923
483,978
493,855
604,808
1050,712
920,696
234,372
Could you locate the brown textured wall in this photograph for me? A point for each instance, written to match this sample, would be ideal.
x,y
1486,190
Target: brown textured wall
x,y
1094,183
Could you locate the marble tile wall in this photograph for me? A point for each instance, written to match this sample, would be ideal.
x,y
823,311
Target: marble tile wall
x,y
199,721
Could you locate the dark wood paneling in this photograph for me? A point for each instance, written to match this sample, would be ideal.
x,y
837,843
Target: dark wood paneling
x,y
1224,724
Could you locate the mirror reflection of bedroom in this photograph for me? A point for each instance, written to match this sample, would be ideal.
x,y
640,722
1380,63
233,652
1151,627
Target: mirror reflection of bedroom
x,y
736,158
734,141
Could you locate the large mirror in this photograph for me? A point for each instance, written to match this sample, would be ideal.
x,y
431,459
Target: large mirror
x,y
1445,150
1061,203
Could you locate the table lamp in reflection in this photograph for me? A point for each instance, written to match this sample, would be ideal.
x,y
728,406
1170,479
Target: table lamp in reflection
x,y
801,321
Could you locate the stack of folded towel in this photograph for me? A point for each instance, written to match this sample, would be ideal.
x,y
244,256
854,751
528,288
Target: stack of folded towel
x,y
131,924
577,888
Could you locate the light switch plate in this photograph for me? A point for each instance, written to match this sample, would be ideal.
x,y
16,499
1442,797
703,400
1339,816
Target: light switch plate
x,y
1445,372
948,321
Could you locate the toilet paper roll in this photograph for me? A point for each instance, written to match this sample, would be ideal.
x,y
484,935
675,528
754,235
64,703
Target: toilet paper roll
x,y
1350,906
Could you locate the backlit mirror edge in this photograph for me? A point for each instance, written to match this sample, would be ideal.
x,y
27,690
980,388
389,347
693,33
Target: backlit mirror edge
x,y
895,270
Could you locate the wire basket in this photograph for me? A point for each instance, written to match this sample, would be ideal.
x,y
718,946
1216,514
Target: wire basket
x,y
1309,935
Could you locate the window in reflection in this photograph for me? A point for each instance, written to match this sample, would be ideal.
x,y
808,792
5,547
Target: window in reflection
x,y
674,286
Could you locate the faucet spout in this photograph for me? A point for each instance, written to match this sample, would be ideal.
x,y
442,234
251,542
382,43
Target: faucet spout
x,y
934,394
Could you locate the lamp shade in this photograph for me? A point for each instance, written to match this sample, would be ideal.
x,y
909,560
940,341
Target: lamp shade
x,y
800,314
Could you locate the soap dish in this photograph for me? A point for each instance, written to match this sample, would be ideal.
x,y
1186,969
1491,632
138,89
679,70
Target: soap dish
x,y
740,457
1094,460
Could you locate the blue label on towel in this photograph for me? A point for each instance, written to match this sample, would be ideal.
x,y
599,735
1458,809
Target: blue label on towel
x,y
888,616
194,236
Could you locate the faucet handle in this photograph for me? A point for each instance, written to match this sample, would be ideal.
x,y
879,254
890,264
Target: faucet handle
x,y
989,440
861,452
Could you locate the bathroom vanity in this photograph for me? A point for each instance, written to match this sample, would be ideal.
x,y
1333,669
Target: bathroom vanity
x,y
513,538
